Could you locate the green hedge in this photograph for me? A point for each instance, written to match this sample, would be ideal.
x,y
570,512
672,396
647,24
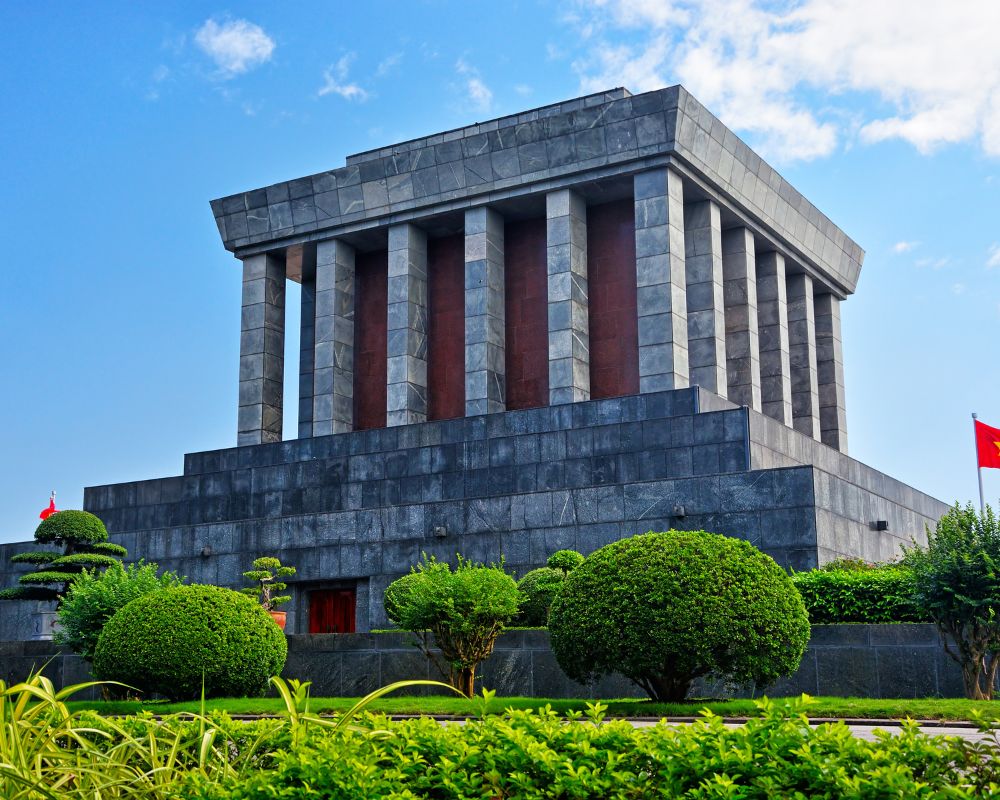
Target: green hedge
x,y
873,596
536,755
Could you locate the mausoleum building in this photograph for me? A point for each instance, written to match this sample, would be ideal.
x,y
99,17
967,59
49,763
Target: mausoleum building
x,y
549,330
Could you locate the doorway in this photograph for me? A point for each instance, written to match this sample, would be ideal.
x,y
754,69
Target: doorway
x,y
332,610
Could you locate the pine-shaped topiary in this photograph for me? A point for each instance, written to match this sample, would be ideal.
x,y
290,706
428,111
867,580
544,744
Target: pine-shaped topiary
x,y
85,545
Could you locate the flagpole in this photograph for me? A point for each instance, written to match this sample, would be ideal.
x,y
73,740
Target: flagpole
x,y
979,469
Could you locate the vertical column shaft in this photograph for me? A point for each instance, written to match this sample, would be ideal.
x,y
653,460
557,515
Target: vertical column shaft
x,y
772,319
262,350
569,329
705,300
739,272
307,341
830,372
802,355
406,345
333,404
661,282
485,362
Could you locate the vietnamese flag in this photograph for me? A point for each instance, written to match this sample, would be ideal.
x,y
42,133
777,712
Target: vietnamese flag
x,y
987,445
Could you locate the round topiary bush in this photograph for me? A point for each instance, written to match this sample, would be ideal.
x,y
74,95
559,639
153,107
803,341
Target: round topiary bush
x,y
666,608
78,527
566,560
165,641
538,588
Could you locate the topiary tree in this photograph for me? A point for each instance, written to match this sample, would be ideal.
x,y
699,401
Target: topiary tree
x,y
464,610
93,598
173,641
265,574
666,608
956,580
85,545
538,589
566,560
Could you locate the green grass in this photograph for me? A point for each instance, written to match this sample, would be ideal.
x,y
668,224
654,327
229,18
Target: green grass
x,y
930,708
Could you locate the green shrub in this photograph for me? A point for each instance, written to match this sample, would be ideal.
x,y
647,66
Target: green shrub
x,y
872,596
957,582
666,608
267,588
75,527
846,564
464,610
537,756
538,590
171,640
566,560
93,598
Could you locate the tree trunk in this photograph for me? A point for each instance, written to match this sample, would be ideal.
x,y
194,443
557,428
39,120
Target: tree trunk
x,y
668,690
467,681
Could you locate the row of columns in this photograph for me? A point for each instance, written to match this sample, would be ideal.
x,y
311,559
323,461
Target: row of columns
x,y
711,311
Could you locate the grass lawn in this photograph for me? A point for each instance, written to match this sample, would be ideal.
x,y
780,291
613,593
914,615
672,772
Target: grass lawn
x,y
930,708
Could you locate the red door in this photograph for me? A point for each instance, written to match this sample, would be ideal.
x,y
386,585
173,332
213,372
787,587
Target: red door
x,y
332,611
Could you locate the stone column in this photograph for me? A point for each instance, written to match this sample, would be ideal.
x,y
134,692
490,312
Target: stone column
x,y
802,355
406,347
739,272
569,327
333,404
307,341
485,342
706,316
830,371
661,280
262,350
772,319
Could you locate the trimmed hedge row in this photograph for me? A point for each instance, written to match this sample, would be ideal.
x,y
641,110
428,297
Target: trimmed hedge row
x,y
871,596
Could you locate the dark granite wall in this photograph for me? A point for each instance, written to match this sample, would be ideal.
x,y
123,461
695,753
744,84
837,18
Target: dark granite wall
x,y
527,331
446,327
846,660
371,309
611,279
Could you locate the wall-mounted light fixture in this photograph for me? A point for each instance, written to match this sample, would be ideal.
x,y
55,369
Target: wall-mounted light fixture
x,y
880,525
440,531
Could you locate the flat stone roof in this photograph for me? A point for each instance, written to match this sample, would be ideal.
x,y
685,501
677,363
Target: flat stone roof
x,y
602,135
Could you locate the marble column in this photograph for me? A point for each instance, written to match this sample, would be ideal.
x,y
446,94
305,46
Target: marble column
x,y
569,328
262,350
661,281
406,346
485,335
739,272
706,318
333,378
830,371
802,355
307,340
772,321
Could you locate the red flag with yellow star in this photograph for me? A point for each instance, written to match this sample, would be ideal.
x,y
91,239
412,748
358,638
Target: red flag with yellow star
x,y
987,445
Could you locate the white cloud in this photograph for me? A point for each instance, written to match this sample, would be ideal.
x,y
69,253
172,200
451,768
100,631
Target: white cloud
x,y
236,46
958,288
388,64
791,72
335,81
904,247
523,89
993,256
480,95
934,263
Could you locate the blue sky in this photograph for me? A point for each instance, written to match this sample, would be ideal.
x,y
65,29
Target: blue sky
x,y
119,308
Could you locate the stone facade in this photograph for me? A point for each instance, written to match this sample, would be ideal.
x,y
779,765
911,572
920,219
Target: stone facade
x,y
468,256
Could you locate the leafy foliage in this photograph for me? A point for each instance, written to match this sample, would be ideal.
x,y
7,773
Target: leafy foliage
x,y
464,610
84,540
566,560
182,640
957,581
666,608
538,589
872,596
93,598
846,564
266,573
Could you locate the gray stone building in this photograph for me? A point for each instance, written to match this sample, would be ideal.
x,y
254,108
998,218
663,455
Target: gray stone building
x,y
553,329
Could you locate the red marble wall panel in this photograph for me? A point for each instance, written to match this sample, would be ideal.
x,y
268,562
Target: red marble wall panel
x,y
371,299
446,327
525,295
614,326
